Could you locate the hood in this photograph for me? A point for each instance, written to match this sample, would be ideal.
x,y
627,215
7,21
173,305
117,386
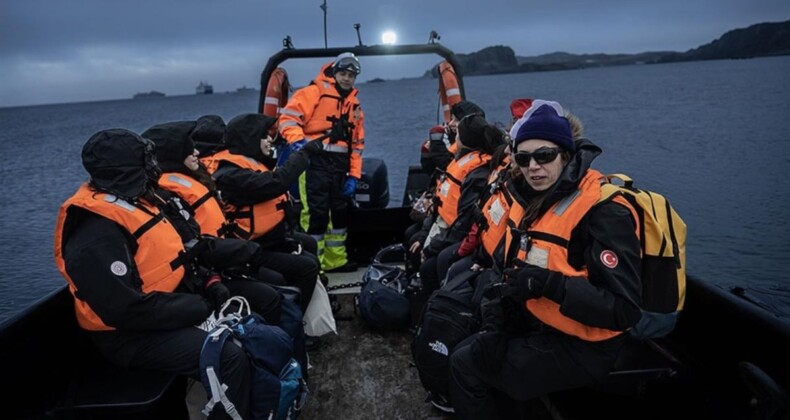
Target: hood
x,y
244,133
208,133
120,162
325,78
173,144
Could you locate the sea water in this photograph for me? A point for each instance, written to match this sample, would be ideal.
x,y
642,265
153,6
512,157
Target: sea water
x,y
713,136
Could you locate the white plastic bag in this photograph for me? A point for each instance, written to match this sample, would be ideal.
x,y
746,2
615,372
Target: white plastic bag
x,y
318,318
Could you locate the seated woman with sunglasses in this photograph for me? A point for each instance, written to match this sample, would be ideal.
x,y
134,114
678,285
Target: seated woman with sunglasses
x,y
571,284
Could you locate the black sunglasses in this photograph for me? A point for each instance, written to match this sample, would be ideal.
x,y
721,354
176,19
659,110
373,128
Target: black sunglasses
x,y
542,156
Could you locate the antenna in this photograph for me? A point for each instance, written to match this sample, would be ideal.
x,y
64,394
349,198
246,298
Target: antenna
x,y
359,38
323,7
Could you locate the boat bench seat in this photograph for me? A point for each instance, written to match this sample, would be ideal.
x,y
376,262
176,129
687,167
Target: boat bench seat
x,y
639,363
102,390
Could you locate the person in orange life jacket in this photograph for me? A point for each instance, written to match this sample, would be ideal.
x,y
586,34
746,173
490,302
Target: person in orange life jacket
x,y
477,250
457,194
328,108
434,158
574,274
256,196
126,267
184,175
416,234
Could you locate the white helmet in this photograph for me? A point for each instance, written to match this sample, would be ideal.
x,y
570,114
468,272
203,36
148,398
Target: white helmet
x,y
348,62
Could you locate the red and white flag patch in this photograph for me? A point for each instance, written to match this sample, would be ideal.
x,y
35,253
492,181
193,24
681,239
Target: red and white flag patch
x,y
609,258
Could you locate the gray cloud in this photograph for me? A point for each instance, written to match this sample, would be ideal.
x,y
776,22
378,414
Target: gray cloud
x,y
60,51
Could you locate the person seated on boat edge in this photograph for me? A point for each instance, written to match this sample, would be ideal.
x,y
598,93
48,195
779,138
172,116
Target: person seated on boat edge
x,y
481,248
457,194
573,282
124,265
416,234
208,136
329,109
184,175
255,199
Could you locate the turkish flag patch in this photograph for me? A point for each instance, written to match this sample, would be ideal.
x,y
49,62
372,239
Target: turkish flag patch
x,y
609,258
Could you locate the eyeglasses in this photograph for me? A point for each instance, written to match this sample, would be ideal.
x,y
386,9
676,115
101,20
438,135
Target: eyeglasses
x,y
542,156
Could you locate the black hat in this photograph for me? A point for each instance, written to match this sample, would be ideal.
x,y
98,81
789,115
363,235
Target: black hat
x,y
472,131
120,162
208,133
464,108
244,133
173,143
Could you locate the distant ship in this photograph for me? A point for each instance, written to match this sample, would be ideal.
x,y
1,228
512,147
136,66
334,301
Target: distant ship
x,y
151,94
204,88
245,89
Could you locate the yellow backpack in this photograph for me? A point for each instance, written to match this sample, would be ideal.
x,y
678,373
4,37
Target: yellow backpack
x,y
663,256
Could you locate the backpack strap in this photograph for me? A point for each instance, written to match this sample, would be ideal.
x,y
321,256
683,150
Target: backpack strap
x,y
210,371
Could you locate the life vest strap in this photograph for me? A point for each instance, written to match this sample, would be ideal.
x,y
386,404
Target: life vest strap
x,y
199,202
148,225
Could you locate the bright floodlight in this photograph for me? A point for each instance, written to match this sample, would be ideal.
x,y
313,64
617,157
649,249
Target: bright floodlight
x,y
389,38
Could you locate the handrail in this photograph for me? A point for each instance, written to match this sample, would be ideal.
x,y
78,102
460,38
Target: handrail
x,y
360,51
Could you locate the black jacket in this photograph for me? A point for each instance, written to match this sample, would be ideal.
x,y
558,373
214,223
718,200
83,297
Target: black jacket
x,y
611,297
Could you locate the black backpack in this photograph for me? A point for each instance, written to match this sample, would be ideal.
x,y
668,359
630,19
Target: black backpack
x,y
448,318
382,301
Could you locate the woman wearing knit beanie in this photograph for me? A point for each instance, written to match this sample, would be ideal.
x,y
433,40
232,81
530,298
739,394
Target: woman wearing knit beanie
x,y
573,271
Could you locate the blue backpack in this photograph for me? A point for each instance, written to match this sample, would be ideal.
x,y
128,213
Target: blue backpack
x,y
278,389
382,301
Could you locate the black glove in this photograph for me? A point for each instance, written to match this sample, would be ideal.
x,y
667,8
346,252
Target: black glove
x,y
215,292
314,147
489,350
525,282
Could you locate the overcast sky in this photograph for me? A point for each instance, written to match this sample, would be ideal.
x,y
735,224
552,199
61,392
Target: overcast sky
x,y
55,51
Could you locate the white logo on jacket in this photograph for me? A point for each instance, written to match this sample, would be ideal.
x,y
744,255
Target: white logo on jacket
x,y
118,268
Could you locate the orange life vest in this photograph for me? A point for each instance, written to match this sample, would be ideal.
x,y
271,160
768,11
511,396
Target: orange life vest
x,y
159,247
448,190
310,114
210,162
208,212
259,219
548,239
449,89
495,212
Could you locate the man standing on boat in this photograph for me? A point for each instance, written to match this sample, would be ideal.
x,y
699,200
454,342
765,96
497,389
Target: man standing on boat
x,y
328,108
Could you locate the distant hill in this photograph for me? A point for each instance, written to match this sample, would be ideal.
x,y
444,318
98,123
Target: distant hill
x,y
763,39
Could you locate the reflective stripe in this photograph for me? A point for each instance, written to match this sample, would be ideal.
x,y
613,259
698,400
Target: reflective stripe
x,y
293,113
179,180
566,202
455,91
446,108
335,244
341,231
336,148
318,238
288,123
271,100
357,151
